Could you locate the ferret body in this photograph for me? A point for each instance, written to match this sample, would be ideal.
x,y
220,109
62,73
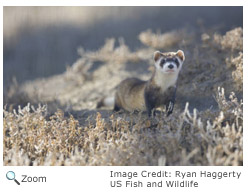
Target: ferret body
x,y
135,94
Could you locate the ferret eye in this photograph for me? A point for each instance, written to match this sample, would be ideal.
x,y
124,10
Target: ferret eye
x,y
177,62
162,62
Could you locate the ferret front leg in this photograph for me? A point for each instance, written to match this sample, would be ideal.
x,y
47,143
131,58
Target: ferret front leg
x,y
149,105
169,103
169,107
116,108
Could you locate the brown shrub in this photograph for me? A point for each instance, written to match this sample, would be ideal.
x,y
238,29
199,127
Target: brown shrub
x,y
182,139
160,41
233,39
236,64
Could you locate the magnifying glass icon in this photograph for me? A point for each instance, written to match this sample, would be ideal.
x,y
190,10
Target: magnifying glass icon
x,y
11,176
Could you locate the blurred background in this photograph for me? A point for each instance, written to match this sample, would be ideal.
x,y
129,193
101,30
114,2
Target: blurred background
x,y
42,41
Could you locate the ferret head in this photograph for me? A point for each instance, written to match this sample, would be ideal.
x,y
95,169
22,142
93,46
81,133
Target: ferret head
x,y
169,63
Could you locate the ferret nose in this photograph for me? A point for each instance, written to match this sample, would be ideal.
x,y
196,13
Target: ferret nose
x,y
170,66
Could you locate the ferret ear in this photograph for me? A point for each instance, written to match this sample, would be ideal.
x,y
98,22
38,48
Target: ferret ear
x,y
180,54
156,55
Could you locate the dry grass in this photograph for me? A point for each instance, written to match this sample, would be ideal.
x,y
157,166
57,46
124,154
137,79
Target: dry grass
x,y
184,139
78,136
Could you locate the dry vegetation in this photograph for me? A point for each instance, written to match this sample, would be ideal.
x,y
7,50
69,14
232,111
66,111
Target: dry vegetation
x,y
77,134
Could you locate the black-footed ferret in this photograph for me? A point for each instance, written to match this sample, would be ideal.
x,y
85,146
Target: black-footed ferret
x,y
135,94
